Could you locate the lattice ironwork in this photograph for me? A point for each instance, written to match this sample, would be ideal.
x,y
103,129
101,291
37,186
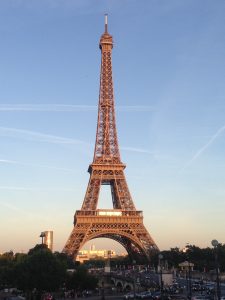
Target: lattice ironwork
x,y
123,223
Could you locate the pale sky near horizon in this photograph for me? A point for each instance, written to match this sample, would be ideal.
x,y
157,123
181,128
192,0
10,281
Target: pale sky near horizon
x,y
169,84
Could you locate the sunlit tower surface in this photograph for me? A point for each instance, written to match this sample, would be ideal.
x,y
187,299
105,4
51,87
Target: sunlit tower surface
x,y
47,239
123,223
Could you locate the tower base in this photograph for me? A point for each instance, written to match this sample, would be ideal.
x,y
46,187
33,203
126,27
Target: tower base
x,y
125,227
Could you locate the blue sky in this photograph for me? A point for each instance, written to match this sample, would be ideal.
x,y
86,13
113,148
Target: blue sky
x,y
169,74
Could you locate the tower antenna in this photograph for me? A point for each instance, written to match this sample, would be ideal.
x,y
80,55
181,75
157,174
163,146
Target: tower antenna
x,y
106,23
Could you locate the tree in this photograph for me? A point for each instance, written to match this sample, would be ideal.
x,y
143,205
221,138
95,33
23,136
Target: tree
x,y
40,270
66,260
81,280
6,269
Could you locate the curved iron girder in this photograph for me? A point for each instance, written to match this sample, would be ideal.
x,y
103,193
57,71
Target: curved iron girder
x,y
132,245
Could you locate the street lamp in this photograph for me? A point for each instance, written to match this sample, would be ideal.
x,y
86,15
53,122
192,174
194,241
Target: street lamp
x,y
188,271
215,244
189,279
103,290
161,280
134,278
109,259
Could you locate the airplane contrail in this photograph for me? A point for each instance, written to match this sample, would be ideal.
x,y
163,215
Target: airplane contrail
x,y
202,149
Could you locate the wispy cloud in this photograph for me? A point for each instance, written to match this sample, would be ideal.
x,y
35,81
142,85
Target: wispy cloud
x,y
6,161
42,137
138,150
12,207
136,108
25,213
46,108
202,149
32,189
68,108
38,136
16,188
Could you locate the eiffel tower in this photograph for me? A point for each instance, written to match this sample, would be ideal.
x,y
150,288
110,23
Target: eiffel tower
x,y
123,223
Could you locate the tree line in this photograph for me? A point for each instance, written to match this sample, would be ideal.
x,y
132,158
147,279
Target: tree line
x,y
202,258
41,271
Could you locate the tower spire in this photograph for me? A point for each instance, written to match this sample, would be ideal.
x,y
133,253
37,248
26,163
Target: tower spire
x,y
106,145
106,23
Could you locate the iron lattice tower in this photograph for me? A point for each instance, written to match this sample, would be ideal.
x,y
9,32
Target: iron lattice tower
x,y
123,223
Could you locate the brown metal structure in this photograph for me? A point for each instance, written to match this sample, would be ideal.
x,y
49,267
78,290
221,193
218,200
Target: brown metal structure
x,y
123,223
